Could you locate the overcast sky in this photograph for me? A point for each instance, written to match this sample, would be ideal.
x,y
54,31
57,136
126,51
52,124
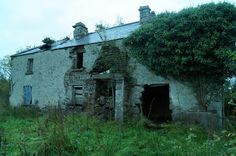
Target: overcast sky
x,y
26,22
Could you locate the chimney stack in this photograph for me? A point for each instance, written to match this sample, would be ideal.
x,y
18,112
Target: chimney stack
x,y
145,14
80,30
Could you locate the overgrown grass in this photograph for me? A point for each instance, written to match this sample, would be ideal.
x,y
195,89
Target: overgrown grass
x,y
57,134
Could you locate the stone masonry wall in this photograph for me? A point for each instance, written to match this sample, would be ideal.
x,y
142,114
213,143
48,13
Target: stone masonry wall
x,y
47,80
53,79
182,97
79,77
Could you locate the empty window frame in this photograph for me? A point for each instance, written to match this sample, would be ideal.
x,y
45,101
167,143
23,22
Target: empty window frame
x,y
78,95
30,66
78,90
79,62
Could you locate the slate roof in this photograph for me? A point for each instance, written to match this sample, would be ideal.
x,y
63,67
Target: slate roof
x,y
113,33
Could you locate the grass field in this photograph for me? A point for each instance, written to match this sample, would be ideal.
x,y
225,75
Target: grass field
x,y
57,134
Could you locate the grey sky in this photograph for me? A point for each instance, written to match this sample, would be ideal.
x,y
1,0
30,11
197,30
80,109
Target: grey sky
x,y
26,22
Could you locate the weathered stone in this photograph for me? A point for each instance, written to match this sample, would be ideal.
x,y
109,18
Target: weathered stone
x,y
119,100
47,80
146,14
80,30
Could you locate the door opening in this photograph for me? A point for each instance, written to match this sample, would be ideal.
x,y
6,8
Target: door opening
x,y
156,103
105,99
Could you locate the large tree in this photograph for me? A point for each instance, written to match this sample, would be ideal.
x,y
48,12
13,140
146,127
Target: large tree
x,y
196,44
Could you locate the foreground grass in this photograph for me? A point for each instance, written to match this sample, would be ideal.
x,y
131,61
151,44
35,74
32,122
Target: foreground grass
x,y
56,134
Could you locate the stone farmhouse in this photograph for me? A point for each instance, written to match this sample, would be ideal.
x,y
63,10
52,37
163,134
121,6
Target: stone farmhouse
x,y
93,71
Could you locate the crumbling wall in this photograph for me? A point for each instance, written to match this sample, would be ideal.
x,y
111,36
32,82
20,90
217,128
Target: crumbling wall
x,y
81,77
74,76
98,58
111,58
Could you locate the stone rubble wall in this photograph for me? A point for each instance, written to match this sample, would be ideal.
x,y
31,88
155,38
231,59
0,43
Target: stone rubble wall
x,y
47,80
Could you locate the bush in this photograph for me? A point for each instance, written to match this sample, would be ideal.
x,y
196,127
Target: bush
x,y
48,41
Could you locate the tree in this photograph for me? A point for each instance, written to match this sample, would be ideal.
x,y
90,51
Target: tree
x,y
5,68
100,29
119,21
197,44
5,74
230,97
4,92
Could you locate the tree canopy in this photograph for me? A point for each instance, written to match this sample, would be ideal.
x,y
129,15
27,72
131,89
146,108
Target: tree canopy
x,y
4,81
198,41
5,68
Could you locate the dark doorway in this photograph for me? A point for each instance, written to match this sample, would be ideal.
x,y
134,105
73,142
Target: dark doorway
x,y
105,99
156,103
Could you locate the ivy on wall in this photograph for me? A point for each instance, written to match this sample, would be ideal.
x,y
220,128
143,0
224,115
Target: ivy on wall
x,y
194,44
111,58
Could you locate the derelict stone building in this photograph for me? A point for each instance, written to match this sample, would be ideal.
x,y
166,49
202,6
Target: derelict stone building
x,y
93,71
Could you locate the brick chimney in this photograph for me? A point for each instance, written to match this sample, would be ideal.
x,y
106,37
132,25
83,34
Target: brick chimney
x,y
145,14
80,30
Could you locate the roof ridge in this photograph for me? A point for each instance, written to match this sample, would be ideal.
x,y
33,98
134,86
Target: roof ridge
x,y
115,27
92,37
